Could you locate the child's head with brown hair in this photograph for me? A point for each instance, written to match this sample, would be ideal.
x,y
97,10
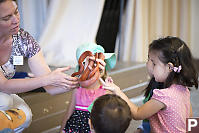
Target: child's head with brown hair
x,y
110,114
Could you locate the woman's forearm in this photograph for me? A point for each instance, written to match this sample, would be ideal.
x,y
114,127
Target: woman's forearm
x,y
54,90
21,85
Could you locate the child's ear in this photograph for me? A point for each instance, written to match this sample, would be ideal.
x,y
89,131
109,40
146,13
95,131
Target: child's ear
x,y
170,66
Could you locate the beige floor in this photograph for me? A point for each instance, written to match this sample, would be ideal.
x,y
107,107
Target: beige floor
x,y
48,110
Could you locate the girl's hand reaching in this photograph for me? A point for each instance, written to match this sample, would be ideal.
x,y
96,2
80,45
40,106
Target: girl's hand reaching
x,y
109,85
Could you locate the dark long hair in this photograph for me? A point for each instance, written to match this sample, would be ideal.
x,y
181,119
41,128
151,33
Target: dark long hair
x,y
151,86
174,50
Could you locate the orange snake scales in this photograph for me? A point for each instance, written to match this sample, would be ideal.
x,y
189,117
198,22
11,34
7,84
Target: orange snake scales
x,y
91,73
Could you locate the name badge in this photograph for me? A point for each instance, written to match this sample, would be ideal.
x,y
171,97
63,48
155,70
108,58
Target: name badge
x,y
18,60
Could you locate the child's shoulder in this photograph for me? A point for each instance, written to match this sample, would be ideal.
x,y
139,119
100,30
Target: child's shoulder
x,y
177,86
174,89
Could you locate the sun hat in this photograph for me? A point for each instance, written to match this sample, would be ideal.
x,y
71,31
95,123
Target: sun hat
x,y
110,58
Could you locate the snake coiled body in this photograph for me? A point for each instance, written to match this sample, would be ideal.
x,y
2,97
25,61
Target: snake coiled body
x,y
91,73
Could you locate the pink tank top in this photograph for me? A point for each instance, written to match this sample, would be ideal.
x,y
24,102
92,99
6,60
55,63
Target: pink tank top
x,y
84,97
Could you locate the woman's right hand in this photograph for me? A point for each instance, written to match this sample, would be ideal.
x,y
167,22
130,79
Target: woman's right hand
x,y
60,79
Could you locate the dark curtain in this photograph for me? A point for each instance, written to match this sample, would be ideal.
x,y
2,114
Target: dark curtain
x,y
109,25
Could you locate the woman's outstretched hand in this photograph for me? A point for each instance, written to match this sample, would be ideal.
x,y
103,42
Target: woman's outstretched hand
x,y
60,79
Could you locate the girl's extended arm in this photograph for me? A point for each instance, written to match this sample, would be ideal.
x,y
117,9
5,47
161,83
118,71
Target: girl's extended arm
x,y
70,110
138,113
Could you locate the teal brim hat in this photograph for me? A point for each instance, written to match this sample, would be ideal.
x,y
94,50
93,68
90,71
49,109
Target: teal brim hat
x,y
110,58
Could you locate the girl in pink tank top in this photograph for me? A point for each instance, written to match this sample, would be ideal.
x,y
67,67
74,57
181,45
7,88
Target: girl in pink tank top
x,y
76,118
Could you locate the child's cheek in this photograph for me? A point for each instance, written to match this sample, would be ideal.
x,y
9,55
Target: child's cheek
x,y
149,69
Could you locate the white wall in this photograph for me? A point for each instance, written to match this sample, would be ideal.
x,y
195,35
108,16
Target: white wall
x,y
195,28
33,15
71,23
